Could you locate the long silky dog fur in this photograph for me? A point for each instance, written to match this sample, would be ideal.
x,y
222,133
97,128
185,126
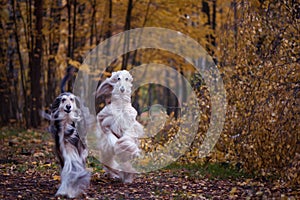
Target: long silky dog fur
x,y
119,129
68,125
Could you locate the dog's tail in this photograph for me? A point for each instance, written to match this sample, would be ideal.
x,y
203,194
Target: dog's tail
x,y
74,179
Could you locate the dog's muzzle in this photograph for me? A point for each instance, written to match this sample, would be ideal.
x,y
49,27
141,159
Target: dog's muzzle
x,y
67,109
122,89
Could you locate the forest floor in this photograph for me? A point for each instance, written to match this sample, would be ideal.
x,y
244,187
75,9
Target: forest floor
x,y
29,171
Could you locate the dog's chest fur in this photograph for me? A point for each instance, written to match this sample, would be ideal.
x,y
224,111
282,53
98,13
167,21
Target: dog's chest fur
x,y
65,131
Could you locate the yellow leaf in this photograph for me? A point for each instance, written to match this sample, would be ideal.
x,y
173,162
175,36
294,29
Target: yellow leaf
x,y
74,63
56,178
47,165
233,191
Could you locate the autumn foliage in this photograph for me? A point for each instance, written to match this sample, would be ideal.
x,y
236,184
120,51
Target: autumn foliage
x,y
262,81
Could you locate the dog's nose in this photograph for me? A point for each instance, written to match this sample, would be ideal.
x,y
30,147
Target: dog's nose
x,y
68,107
122,89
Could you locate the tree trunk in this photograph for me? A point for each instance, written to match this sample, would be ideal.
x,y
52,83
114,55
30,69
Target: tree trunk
x,y
134,60
93,22
211,22
23,81
108,32
82,39
74,45
53,49
214,23
150,95
35,68
4,86
127,36
206,10
70,52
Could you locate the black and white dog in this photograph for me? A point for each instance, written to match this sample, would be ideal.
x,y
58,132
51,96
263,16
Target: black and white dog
x,y
67,125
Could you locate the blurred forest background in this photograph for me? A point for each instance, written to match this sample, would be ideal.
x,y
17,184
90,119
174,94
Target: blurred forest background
x,y
255,45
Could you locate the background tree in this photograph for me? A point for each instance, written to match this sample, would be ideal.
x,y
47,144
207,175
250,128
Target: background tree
x,y
35,64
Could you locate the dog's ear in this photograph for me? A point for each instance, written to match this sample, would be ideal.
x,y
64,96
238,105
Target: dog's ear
x,y
114,77
56,104
78,102
105,88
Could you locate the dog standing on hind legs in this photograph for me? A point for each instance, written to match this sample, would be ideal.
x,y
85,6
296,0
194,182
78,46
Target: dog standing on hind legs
x,y
70,144
119,129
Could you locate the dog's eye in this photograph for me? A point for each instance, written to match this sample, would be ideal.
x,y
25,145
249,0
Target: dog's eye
x,y
119,78
126,79
71,99
63,100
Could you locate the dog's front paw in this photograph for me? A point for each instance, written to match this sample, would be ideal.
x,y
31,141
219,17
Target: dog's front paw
x,y
63,192
64,195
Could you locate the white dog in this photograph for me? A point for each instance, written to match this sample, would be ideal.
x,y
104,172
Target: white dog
x,y
118,126
70,144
